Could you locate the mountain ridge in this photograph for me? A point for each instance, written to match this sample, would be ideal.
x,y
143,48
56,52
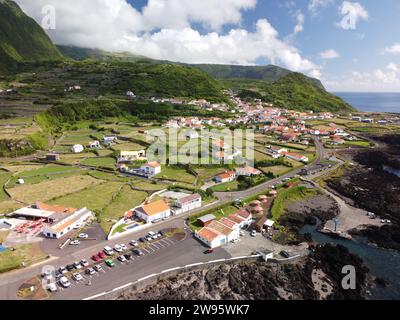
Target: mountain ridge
x,y
21,38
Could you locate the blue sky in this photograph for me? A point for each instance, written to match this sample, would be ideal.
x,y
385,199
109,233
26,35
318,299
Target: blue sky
x,y
349,45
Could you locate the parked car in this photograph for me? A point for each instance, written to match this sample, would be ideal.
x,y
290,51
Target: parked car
x,y
77,265
161,233
253,233
84,263
75,243
108,251
98,268
284,254
46,274
128,256
138,252
83,236
58,274
142,239
110,263
96,258
118,248
123,247
148,238
90,271
122,258
77,277
242,234
102,255
70,267
64,282
52,287
208,251
133,243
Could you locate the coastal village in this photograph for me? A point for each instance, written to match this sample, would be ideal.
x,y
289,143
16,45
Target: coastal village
x,y
102,184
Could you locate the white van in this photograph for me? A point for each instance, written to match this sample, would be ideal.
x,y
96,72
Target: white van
x,y
108,251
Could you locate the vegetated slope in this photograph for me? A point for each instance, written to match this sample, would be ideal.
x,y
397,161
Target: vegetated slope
x,y
116,78
293,91
78,53
268,73
21,38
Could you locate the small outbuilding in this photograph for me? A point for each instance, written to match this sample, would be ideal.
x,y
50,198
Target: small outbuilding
x,y
207,219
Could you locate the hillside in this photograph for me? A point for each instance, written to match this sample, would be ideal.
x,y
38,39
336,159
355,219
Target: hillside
x,y
80,54
21,38
116,78
268,73
293,91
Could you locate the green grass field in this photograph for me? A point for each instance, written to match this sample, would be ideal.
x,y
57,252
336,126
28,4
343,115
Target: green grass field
x,y
105,162
174,174
288,196
27,254
95,198
4,177
226,187
125,200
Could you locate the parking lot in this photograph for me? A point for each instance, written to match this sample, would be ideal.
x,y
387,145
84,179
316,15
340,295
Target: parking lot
x,y
102,268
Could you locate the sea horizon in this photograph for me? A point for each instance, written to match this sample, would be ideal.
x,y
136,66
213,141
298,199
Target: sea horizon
x,y
372,101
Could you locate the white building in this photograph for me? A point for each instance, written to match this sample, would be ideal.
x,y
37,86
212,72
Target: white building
x,y
211,238
153,211
188,203
192,134
94,144
130,156
248,172
77,148
151,168
66,225
225,177
110,139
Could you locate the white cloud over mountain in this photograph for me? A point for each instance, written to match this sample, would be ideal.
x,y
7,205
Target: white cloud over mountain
x,y
164,29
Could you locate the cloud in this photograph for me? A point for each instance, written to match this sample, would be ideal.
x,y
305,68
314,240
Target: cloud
x,y
352,12
163,29
314,6
394,49
300,18
378,80
329,54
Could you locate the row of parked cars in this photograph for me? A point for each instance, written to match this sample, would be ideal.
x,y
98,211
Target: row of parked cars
x,y
123,252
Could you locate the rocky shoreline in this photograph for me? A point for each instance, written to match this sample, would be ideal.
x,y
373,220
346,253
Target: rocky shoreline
x,y
316,277
371,188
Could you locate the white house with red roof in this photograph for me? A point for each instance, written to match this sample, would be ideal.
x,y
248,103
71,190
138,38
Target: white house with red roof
x,y
151,168
248,172
187,203
225,177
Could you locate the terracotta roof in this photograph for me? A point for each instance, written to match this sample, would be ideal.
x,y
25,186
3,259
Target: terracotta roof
x,y
236,218
226,175
243,214
153,164
208,234
154,208
220,228
189,198
54,208
63,226
249,170
228,222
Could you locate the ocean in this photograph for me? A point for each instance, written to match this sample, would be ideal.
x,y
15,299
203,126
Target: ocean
x,y
372,102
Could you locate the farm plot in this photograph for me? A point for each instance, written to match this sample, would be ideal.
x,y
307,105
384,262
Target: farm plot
x,y
47,190
174,174
95,197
